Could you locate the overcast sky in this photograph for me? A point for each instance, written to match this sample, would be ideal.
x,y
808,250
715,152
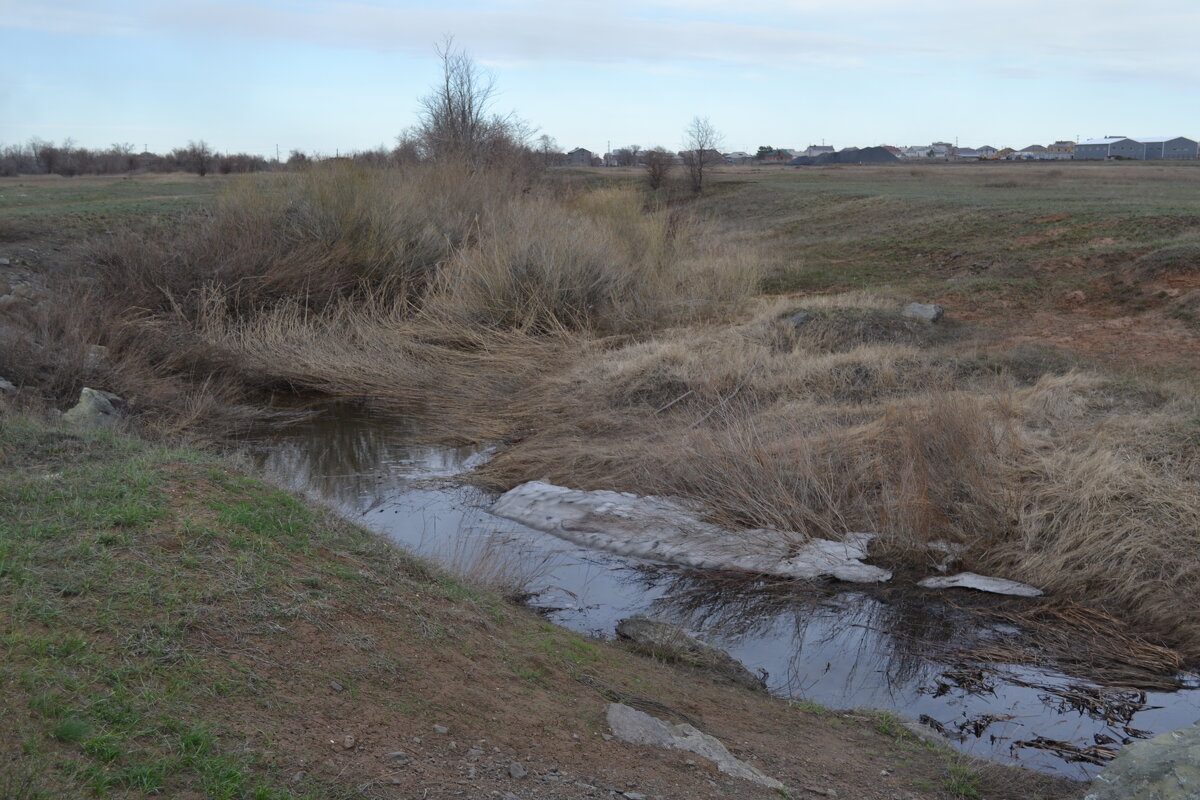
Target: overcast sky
x,y
327,76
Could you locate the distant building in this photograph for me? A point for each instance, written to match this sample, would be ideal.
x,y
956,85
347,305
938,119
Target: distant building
x,y
580,157
967,154
815,150
1150,148
739,157
1061,148
987,151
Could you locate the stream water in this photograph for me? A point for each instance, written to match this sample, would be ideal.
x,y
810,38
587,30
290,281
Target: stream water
x,y
832,644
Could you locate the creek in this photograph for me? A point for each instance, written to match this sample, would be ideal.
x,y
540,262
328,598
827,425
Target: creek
x,y
838,645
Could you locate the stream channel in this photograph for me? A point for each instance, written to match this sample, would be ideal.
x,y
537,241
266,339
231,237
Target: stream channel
x,y
835,644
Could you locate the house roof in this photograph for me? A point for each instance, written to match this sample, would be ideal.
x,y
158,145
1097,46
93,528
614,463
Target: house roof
x,y
1106,140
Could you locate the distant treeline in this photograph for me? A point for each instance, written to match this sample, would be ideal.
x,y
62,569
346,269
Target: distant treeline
x,y
38,157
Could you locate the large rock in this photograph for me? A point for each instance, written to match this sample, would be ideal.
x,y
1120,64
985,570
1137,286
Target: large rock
x,y
675,532
637,727
672,642
927,312
94,409
1166,767
6,387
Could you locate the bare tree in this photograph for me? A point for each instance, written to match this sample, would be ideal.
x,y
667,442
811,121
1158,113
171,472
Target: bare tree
x,y
658,166
548,150
701,150
455,119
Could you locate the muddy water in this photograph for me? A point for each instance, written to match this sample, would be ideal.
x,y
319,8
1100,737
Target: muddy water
x,y
833,644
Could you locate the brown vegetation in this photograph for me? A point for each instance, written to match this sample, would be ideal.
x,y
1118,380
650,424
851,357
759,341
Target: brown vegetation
x,y
578,326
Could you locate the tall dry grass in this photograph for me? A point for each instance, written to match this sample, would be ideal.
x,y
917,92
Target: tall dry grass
x,y
1086,486
397,284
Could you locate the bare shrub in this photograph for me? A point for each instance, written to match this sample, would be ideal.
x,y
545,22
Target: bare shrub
x,y
658,163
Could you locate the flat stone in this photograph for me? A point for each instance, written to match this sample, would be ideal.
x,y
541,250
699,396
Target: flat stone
x,y
675,532
982,583
1166,767
440,729
517,770
928,312
637,727
6,387
4,262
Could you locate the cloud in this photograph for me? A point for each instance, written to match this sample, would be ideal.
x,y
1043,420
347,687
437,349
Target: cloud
x,y
1022,38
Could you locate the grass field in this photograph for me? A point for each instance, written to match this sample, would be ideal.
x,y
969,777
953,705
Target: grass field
x,y
614,339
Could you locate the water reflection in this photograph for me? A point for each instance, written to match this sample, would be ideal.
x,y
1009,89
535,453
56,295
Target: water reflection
x,y
886,648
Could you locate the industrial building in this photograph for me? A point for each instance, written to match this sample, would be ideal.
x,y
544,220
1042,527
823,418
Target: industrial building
x,y
1147,148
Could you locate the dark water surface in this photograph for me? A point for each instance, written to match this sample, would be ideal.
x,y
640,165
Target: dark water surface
x,y
834,644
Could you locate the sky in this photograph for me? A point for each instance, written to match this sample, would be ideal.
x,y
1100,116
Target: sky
x,y
327,77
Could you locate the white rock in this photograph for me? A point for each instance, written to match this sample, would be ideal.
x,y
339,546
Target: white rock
x,y
6,387
983,583
637,727
674,531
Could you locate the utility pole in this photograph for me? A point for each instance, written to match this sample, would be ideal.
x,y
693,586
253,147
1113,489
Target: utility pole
x,y
277,153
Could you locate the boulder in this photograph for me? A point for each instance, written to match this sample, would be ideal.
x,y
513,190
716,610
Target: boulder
x,y
672,642
94,409
637,727
927,312
6,387
1166,767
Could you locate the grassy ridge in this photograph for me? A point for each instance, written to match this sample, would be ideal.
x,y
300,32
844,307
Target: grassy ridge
x,y
112,564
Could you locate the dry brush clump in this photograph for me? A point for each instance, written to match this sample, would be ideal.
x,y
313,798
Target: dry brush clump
x,y
393,284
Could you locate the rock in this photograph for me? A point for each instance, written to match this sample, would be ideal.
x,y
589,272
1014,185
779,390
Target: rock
x,y
634,796
96,357
348,742
94,409
928,312
397,755
982,583
337,687
1166,767
636,727
26,290
7,387
517,770
664,639
440,729
798,319
924,732
4,262
675,531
